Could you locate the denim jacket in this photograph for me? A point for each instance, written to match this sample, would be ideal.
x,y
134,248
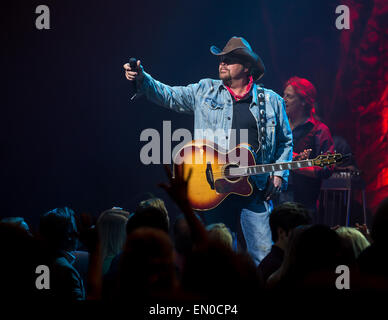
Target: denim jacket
x,y
212,106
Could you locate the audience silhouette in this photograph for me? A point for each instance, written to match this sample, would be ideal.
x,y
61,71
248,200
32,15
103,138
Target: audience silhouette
x,y
132,257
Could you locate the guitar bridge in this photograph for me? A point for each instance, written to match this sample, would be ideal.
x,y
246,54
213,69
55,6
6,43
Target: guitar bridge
x,y
209,175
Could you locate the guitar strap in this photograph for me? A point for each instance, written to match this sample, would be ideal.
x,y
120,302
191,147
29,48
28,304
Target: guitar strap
x,y
262,121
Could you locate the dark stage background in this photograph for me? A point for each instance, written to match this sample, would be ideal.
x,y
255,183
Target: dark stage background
x,y
70,136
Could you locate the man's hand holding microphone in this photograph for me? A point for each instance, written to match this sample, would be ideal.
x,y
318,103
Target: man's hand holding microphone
x,y
134,73
133,70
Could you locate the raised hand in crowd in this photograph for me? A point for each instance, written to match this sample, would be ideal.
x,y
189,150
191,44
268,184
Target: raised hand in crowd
x,y
177,190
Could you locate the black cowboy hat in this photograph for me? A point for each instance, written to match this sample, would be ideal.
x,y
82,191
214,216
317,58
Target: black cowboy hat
x,y
240,47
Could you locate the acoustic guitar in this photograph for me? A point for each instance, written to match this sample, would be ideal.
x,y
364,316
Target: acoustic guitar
x,y
215,174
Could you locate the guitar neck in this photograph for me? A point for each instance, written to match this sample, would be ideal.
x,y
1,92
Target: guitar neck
x,y
264,168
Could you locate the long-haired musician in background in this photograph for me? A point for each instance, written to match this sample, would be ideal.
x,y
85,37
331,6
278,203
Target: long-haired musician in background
x,y
308,134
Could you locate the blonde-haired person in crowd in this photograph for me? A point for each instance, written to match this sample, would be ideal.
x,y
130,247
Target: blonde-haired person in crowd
x,y
354,238
111,228
219,232
155,203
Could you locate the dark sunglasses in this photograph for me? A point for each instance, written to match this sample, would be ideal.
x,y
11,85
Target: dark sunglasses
x,y
231,60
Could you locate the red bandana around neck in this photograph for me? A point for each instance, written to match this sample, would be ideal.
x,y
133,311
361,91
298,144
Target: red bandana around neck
x,y
236,96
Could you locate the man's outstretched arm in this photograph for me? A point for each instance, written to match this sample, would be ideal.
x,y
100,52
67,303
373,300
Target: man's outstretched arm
x,y
177,98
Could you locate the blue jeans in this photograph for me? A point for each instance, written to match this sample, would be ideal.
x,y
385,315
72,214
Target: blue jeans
x,y
256,232
248,219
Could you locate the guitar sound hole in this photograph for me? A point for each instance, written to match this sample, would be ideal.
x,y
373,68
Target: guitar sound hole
x,y
227,173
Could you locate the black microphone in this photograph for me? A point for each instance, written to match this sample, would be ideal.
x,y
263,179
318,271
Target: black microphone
x,y
133,65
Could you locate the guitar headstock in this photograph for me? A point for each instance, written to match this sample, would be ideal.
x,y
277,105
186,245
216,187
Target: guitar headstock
x,y
324,160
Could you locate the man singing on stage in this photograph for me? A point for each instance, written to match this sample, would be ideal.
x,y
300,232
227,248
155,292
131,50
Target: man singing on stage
x,y
235,102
